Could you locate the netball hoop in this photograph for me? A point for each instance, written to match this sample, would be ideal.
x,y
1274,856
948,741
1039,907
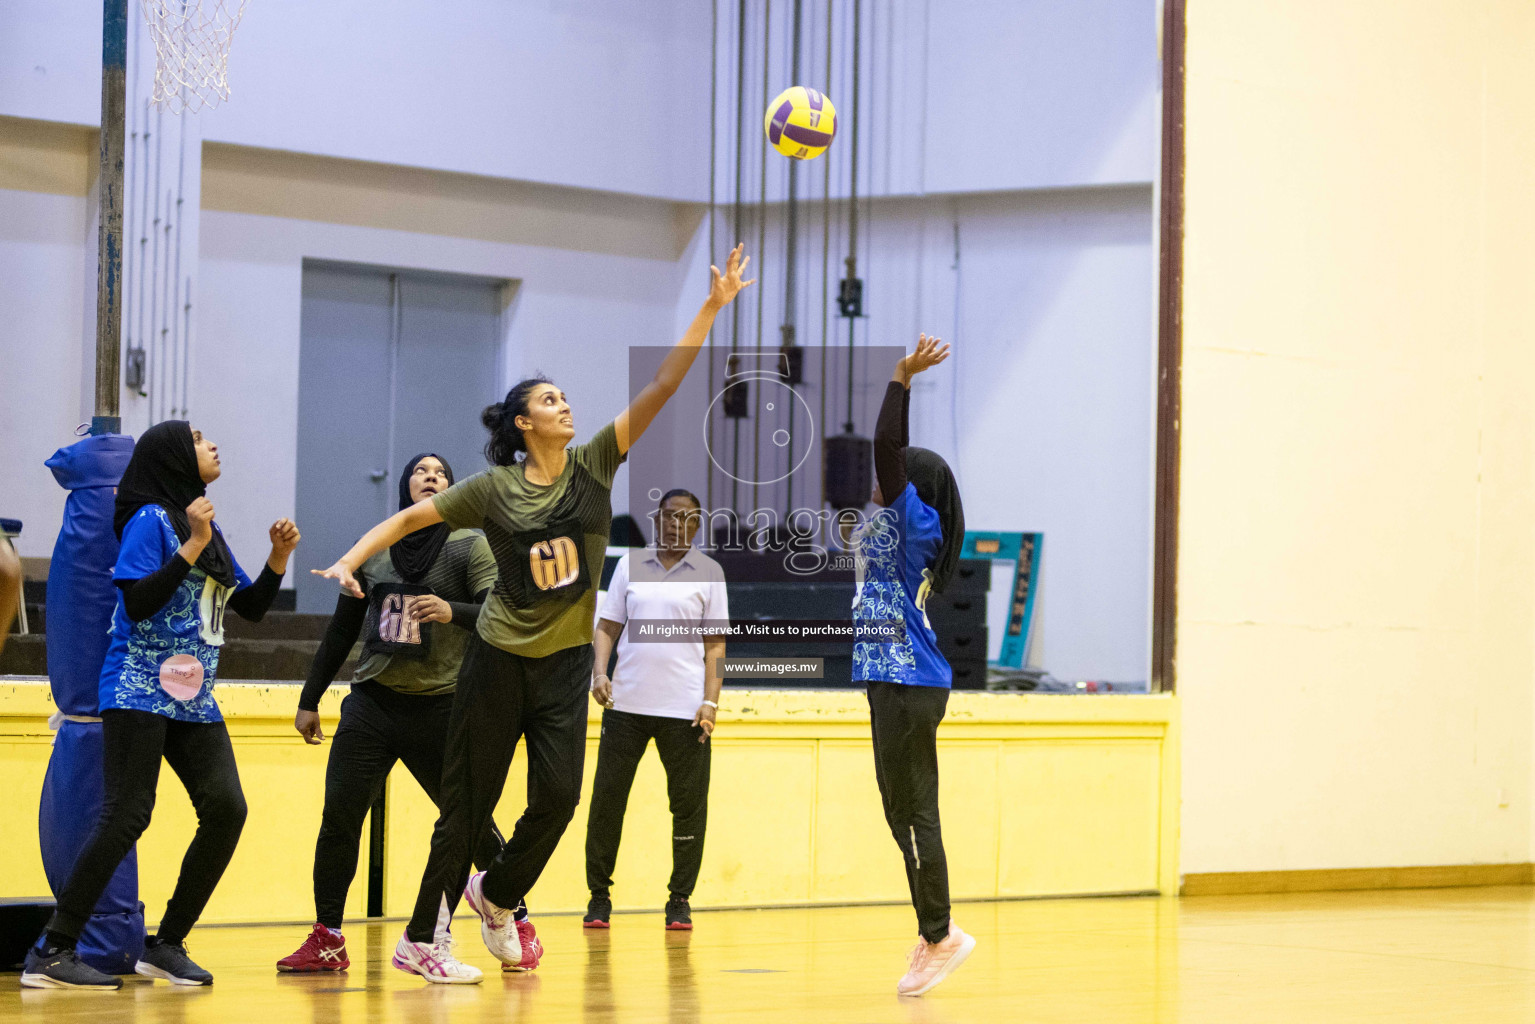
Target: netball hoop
x,y
191,50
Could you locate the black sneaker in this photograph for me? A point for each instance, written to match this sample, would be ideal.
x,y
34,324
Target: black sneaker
x,y
679,916
598,910
63,968
168,961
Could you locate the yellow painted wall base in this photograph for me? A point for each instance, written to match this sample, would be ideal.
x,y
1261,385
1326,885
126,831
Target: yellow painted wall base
x,y
1433,876
1041,795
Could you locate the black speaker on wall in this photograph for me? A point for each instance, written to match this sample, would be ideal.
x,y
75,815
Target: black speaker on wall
x,y
793,368
733,400
847,470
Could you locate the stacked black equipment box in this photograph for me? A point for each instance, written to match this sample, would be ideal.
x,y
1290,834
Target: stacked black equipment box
x,y
958,616
763,590
21,922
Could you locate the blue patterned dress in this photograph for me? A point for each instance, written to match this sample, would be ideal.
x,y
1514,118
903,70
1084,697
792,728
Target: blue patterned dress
x,y
895,549
191,623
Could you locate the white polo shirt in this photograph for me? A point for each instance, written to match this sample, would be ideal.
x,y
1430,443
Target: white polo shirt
x,y
664,678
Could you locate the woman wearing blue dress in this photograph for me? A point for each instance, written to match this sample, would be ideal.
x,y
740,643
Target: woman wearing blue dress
x,y
909,549
175,577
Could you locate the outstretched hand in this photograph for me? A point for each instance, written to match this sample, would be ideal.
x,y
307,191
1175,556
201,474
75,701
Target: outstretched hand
x,y
724,288
342,574
632,423
930,352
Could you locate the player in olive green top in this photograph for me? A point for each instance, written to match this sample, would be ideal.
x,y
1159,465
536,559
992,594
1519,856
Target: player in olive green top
x,y
527,669
548,539
423,596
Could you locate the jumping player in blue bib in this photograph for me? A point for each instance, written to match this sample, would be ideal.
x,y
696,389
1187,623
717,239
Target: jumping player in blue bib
x,y
908,550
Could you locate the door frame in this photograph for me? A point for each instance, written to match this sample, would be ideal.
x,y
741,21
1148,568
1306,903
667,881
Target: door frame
x,y
1169,382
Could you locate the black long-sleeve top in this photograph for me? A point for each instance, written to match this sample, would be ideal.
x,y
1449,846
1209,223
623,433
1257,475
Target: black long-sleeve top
x,y
890,441
144,597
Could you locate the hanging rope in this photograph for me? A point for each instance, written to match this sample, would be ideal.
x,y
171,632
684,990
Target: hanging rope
x,y
822,381
735,307
791,274
849,283
767,34
714,64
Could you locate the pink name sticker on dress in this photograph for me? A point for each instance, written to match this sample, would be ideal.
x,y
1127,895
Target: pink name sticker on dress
x,y
181,676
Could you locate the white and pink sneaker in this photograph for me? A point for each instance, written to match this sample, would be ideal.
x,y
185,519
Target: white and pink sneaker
x,y
931,962
496,925
435,962
532,949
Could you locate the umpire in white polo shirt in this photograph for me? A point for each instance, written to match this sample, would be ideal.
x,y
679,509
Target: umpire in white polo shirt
x,y
667,691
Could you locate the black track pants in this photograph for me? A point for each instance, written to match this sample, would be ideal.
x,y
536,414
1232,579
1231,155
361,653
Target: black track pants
x,y
501,698
624,739
905,723
133,743
378,727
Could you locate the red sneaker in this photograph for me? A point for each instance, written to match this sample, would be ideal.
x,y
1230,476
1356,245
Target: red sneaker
x,y
324,950
532,949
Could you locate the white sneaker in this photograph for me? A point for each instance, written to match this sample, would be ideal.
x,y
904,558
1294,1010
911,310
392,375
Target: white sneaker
x,y
935,961
435,962
496,925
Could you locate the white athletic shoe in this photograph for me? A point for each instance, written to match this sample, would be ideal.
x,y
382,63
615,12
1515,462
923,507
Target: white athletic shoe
x,y
435,962
496,924
931,962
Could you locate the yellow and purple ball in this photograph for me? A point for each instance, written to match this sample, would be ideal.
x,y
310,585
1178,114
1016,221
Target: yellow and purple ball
x,y
800,123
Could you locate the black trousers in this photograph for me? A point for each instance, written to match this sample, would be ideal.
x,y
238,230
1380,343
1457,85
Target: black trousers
x,y
501,698
624,738
133,742
379,726
905,723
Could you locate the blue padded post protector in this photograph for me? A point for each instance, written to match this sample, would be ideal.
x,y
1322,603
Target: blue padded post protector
x,y
81,600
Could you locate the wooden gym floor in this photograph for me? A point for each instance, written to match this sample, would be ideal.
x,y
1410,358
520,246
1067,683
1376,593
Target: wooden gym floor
x,y
1428,955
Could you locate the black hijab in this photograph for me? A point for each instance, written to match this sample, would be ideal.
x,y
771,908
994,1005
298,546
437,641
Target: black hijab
x,y
414,553
936,486
163,471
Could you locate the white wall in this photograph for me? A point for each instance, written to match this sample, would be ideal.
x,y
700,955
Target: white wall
x,y
50,60
42,239
1043,410
1053,407
1357,566
956,95
162,175
602,94
1040,94
598,276
432,124
574,313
